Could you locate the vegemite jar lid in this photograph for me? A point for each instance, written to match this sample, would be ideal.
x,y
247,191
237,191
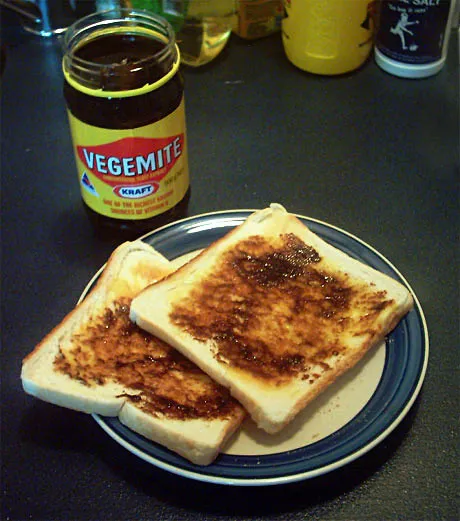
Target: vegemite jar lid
x,y
91,67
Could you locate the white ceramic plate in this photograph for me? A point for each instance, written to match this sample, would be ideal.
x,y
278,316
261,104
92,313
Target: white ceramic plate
x,y
346,421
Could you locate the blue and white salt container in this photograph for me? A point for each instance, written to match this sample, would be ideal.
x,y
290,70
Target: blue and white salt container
x,y
413,36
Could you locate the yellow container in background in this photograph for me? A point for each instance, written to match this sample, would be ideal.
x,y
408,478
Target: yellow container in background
x,y
328,36
257,18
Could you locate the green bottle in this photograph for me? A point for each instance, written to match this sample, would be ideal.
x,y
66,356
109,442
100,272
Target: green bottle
x,y
175,11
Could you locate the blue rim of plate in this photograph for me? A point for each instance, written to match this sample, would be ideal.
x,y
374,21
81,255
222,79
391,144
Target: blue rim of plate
x,y
406,359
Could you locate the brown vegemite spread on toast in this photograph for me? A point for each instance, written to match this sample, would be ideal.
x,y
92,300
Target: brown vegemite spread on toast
x,y
276,311
113,349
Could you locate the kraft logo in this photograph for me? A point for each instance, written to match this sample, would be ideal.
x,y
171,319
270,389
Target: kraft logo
x,y
136,192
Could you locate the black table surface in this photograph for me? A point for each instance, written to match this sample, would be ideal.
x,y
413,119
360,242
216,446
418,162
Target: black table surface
x,y
366,152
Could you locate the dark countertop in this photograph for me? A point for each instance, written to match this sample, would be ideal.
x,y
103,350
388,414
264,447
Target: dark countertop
x,y
367,152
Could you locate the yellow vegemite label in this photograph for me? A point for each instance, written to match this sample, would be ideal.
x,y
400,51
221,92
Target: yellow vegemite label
x,y
132,174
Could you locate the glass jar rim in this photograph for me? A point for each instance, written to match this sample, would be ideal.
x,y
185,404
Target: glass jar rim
x,y
112,18
119,20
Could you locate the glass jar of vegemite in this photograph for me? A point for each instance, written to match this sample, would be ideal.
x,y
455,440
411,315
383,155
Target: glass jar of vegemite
x,y
125,103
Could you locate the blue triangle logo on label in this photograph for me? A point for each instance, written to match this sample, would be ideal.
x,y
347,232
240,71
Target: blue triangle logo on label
x,y
86,183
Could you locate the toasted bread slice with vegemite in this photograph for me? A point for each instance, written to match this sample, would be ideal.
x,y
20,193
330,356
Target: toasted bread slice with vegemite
x,y
97,361
273,312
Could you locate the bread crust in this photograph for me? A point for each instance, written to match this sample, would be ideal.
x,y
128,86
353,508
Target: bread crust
x,y
131,267
273,400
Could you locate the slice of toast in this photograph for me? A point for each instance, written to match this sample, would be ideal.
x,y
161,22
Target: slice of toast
x,y
273,312
97,361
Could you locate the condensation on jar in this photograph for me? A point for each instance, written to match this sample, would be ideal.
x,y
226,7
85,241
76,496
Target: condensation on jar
x,y
125,103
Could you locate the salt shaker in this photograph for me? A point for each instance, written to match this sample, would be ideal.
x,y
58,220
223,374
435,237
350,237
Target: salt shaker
x,y
413,36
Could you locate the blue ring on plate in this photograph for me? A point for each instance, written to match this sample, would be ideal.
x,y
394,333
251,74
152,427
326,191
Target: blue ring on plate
x,y
405,360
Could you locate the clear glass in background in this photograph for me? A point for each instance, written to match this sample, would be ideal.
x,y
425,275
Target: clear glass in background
x,y
52,17
202,27
49,17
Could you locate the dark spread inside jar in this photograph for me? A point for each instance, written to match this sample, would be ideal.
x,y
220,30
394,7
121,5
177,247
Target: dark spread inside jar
x,y
120,62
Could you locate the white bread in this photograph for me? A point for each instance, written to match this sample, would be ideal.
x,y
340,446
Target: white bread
x,y
273,312
68,382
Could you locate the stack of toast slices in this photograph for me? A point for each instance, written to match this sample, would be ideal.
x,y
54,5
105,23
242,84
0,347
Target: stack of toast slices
x,y
258,323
